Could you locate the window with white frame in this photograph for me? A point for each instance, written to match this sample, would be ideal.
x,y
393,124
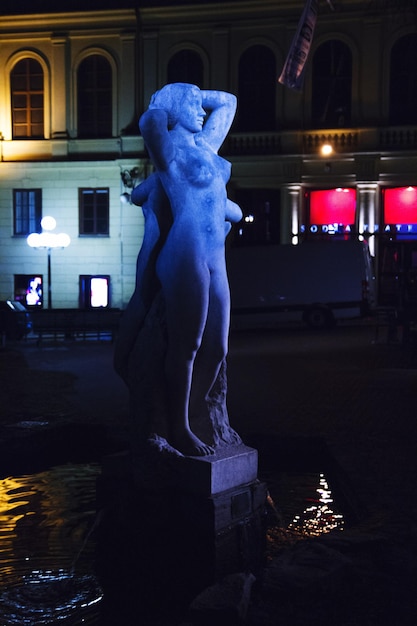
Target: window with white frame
x,y
94,211
27,211
27,96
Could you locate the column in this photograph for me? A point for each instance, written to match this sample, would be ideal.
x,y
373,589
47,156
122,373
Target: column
x,y
128,80
220,57
59,93
149,66
367,213
291,213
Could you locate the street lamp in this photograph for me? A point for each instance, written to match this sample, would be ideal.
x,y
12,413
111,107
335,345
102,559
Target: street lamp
x,y
48,240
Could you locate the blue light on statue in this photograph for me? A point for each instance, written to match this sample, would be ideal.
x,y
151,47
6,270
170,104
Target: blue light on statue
x,y
187,218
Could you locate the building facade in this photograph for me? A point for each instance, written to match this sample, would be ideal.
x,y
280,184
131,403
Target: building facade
x,y
68,141
73,85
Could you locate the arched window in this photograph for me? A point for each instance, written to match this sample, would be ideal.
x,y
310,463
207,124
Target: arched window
x,y
27,100
332,85
257,88
403,81
186,66
95,97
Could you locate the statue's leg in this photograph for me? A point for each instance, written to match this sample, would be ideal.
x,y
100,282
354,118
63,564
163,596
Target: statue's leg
x,y
186,298
213,348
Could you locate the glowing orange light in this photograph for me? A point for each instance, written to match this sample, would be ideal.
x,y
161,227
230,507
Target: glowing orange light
x,y
326,149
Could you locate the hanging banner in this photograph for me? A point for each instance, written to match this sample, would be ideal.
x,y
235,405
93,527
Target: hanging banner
x,y
291,75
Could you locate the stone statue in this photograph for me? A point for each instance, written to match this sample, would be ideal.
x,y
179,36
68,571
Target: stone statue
x,y
173,337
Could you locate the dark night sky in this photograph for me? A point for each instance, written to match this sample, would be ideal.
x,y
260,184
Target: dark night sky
x,y
14,7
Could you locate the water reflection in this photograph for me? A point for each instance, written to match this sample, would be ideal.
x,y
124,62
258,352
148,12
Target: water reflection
x,y
319,516
300,506
48,553
46,549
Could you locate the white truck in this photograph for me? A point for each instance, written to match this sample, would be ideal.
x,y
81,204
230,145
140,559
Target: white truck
x,y
316,282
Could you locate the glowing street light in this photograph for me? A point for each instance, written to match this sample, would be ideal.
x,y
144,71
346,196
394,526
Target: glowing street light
x,y
48,240
326,149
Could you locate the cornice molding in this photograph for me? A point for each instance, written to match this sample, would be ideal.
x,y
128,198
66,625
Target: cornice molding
x,y
291,10
81,20
219,11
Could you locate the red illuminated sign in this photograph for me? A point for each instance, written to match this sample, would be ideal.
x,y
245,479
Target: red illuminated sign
x,y
333,206
400,205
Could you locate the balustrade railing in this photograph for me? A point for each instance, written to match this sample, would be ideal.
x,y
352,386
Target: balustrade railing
x,y
343,140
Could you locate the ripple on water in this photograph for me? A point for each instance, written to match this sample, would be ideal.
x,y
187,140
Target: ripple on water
x,y
46,547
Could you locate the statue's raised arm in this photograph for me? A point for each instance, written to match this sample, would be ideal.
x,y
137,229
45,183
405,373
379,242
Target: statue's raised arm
x,y
214,114
183,130
221,109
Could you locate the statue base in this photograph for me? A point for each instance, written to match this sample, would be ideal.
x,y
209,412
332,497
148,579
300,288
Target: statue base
x,y
157,549
228,468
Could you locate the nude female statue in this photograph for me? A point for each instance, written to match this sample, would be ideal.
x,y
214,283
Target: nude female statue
x,y
191,265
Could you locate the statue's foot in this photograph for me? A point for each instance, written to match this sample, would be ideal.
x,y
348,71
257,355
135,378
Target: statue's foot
x,y
190,445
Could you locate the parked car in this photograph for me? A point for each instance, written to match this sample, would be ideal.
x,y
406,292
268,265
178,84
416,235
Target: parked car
x,y
15,319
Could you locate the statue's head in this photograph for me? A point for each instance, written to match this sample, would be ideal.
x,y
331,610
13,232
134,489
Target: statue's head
x,y
170,98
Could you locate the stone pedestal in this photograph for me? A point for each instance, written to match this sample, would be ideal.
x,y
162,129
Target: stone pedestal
x,y
160,548
229,468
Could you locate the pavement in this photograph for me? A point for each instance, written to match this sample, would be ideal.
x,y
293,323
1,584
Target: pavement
x,y
355,394
291,390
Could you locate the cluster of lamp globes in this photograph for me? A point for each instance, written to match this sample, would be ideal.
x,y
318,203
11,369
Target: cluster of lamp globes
x,y
48,239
